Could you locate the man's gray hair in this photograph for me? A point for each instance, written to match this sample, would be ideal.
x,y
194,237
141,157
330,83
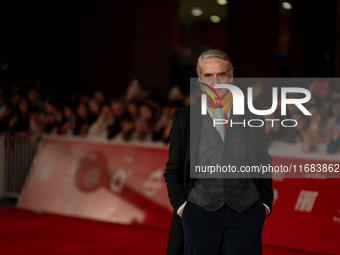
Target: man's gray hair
x,y
213,53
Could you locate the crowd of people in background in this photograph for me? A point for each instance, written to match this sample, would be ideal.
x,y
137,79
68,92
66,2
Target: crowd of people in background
x,y
139,114
142,115
321,127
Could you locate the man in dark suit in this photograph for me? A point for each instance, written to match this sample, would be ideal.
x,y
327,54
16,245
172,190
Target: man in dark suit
x,y
223,214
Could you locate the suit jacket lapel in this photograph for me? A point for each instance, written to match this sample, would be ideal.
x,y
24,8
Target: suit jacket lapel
x,y
230,129
195,132
209,124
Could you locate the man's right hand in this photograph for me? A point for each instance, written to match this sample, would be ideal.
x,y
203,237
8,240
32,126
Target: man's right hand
x,y
180,209
180,213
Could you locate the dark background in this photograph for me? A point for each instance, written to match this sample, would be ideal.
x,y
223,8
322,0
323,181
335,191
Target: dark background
x,y
86,45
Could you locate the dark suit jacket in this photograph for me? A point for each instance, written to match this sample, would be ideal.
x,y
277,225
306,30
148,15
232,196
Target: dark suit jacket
x,y
177,172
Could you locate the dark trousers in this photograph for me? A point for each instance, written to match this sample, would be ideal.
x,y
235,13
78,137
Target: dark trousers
x,y
239,233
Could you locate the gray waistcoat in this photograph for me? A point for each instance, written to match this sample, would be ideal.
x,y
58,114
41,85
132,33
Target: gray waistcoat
x,y
216,189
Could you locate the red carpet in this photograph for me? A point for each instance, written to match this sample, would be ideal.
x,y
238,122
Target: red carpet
x,y
26,232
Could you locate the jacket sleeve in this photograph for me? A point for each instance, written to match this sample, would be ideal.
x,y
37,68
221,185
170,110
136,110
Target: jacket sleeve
x,y
266,186
174,167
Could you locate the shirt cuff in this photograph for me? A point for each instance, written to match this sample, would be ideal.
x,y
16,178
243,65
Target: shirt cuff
x,y
267,208
181,207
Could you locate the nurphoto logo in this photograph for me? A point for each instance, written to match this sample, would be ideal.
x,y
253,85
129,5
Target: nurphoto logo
x,y
238,103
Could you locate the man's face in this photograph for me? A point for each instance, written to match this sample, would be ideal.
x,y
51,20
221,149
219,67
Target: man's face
x,y
215,71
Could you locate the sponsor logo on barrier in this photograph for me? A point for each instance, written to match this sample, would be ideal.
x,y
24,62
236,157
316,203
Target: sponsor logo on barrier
x,y
305,201
153,183
118,181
